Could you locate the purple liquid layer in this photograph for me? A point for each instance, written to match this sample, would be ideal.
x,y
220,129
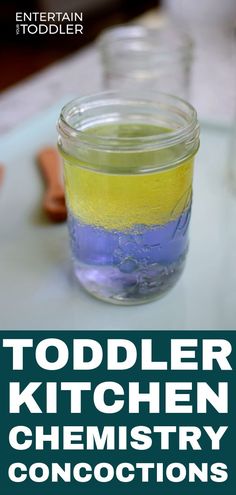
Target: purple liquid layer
x,y
131,265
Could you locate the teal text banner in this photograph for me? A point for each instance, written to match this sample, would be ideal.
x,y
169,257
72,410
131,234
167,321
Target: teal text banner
x,y
94,412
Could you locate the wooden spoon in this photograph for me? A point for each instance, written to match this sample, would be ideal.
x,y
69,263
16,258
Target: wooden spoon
x,y
54,197
2,171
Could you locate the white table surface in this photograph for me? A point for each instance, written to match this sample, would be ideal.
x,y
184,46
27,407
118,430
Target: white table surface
x,y
37,288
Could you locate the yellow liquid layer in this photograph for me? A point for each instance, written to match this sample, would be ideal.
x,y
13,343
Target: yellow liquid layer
x,y
120,201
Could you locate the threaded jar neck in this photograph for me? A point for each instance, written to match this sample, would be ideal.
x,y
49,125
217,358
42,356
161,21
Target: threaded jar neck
x,y
82,122
139,47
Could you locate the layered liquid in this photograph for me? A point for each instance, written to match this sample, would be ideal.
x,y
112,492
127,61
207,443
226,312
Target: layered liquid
x,y
128,230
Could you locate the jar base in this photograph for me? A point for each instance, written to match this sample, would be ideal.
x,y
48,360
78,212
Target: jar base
x,y
109,284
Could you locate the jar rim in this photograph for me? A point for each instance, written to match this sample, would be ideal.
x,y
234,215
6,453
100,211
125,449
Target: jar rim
x,y
188,131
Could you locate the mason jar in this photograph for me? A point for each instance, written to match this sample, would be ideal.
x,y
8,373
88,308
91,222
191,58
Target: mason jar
x,y
128,168
137,57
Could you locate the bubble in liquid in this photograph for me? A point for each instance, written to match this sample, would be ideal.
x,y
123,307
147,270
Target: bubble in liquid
x,y
128,265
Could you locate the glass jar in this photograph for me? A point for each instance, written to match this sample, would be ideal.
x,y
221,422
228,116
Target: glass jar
x,y
128,167
137,57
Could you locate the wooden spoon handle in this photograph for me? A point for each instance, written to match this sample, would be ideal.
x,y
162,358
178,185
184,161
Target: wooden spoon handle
x,y
54,197
2,171
50,165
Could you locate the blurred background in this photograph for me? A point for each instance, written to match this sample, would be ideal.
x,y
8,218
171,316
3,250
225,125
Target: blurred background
x,y
21,56
210,23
